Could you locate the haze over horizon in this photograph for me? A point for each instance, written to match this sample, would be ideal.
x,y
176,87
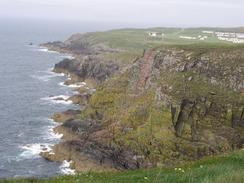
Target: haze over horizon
x,y
187,13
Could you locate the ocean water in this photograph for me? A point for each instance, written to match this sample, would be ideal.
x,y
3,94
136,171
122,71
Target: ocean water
x,y
27,97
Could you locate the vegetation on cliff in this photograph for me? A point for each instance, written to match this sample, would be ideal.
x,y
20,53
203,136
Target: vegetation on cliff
x,y
158,102
185,104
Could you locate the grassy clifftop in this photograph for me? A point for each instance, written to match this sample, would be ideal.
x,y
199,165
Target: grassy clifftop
x,y
137,39
124,46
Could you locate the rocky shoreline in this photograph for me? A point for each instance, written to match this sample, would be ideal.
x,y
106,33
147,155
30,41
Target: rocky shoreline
x,y
76,147
83,142
71,129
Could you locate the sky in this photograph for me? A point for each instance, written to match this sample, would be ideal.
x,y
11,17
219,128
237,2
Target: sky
x,y
184,13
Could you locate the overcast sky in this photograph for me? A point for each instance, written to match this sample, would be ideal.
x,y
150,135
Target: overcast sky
x,y
138,12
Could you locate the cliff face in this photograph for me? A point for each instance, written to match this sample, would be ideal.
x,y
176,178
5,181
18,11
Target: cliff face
x,y
88,68
173,105
95,61
169,105
80,44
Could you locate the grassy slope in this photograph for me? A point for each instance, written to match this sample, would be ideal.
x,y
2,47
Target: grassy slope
x,y
138,39
221,169
134,41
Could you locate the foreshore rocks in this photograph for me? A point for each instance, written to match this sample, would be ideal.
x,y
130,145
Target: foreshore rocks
x,y
83,145
81,99
64,116
70,151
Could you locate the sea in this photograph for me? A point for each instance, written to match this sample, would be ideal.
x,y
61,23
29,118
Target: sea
x,y
28,89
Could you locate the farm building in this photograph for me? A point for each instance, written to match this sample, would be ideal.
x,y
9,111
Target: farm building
x,y
156,34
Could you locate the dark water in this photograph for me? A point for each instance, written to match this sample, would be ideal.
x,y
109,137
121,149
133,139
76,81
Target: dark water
x,y
25,82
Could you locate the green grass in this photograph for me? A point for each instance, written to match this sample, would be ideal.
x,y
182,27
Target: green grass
x,y
132,42
219,169
138,39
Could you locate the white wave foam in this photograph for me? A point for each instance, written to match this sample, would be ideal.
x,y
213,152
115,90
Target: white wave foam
x,y
58,74
51,135
43,49
75,85
33,150
65,168
68,56
62,84
60,99
52,121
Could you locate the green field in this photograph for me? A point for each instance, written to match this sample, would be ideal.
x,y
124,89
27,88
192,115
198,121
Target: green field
x,y
138,39
220,169
131,42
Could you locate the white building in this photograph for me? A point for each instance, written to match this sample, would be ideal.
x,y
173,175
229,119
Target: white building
x,y
187,37
156,34
230,36
207,32
240,35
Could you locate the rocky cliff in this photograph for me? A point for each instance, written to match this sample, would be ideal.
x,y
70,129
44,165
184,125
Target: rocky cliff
x,y
91,61
172,104
87,68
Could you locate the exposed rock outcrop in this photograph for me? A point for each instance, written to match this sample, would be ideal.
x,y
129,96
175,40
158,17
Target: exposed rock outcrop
x,y
181,114
67,115
88,68
81,99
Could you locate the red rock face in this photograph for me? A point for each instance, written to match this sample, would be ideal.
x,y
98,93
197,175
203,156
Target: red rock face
x,y
146,68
